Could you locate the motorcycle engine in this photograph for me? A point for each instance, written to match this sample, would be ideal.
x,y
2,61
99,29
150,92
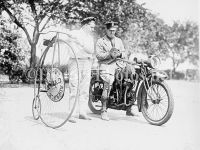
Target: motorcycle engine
x,y
122,84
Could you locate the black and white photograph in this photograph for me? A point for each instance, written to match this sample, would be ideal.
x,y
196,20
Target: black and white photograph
x,y
99,75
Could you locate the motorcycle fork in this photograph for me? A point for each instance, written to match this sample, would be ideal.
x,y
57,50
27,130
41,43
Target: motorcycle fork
x,y
121,90
121,94
125,95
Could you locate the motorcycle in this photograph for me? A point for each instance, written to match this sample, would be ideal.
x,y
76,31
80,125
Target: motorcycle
x,y
136,83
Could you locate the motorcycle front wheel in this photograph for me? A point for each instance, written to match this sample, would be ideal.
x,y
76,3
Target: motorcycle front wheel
x,y
157,103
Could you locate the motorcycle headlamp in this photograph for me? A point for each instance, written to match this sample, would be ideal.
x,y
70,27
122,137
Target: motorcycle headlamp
x,y
155,61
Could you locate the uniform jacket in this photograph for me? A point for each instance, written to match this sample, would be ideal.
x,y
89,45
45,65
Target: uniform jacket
x,y
104,46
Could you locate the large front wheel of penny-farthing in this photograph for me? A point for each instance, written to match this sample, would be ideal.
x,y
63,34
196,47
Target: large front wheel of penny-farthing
x,y
52,80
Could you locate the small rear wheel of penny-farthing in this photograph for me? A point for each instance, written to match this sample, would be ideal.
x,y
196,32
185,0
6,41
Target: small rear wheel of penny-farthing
x,y
36,107
52,83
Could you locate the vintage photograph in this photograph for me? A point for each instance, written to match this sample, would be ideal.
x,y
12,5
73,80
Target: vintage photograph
x,y
99,75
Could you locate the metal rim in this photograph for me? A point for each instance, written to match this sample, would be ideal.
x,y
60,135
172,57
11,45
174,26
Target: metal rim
x,y
156,107
39,84
36,108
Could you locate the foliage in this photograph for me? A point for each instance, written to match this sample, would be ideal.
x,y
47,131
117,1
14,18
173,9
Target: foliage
x,y
38,13
177,75
192,74
141,30
120,11
179,42
35,14
182,43
142,37
11,56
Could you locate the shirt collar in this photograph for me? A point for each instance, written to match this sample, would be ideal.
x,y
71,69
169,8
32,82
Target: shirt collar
x,y
105,37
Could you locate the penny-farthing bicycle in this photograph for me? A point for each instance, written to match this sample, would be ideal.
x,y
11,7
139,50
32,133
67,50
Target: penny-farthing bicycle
x,y
51,101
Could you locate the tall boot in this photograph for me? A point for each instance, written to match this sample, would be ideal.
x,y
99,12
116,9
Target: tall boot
x,y
129,112
104,115
104,99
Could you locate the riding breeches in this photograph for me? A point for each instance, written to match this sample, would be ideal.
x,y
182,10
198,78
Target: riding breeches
x,y
108,76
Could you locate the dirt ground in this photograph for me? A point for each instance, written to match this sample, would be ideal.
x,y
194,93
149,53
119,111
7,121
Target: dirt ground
x,y
19,131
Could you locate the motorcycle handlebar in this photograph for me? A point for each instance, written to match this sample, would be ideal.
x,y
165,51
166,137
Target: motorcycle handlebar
x,y
127,61
144,63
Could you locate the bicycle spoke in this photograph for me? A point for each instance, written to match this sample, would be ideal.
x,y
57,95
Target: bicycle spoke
x,y
52,89
157,103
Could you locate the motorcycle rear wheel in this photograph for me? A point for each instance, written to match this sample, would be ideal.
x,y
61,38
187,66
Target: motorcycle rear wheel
x,y
94,102
160,99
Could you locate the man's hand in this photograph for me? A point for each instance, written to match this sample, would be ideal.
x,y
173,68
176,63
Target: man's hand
x,y
115,53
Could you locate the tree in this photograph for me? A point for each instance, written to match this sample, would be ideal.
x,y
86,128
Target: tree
x,y
10,54
181,41
143,36
121,11
32,13
38,13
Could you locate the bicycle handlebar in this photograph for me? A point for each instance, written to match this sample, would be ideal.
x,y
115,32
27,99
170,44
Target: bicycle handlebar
x,y
72,39
55,32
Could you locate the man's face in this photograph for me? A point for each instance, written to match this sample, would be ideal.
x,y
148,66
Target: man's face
x,y
111,32
90,26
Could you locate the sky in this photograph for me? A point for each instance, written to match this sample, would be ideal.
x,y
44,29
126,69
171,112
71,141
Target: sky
x,y
174,10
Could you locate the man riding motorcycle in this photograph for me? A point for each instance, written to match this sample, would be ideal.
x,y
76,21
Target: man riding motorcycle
x,y
108,48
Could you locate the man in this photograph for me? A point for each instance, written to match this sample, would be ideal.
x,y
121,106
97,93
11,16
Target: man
x,y
83,46
109,48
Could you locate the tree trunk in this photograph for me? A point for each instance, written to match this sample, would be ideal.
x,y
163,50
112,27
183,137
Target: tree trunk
x,y
33,55
173,72
174,68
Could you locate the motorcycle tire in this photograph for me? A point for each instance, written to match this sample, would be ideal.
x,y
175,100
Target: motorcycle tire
x,y
145,105
92,100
